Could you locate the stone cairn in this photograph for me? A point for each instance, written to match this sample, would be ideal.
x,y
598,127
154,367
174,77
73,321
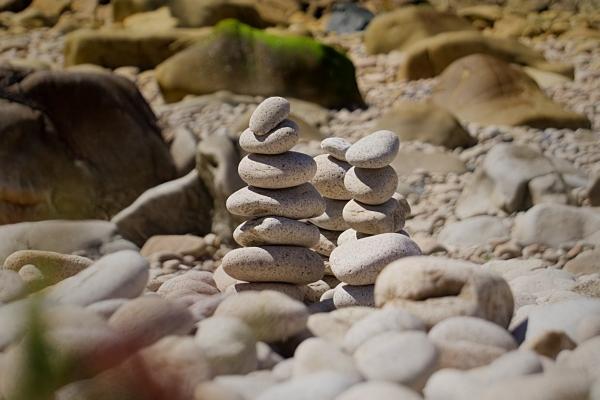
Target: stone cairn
x,y
276,253
376,215
329,181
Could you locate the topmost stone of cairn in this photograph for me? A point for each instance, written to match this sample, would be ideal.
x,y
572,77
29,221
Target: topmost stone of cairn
x,y
269,114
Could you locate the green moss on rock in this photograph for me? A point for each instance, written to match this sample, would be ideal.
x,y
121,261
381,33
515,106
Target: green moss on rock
x,y
245,60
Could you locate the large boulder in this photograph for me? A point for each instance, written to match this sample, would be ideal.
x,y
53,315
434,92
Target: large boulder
x,y
425,122
429,57
67,142
399,29
198,13
244,60
555,225
113,48
484,89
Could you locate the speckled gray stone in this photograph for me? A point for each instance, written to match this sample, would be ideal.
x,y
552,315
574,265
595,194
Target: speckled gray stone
x,y
374,151
298,202
407,358
276,231
327,242
270,113
277,171
281,139
336,147
359,262
329,179
374,219
345,295
371,185
332,218
289,264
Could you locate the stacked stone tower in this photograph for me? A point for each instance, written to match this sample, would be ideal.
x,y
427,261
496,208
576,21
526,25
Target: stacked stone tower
x,y
276,253
376,215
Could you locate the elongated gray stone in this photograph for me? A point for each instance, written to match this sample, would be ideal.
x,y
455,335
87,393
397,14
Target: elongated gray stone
x,y
289,264
299,202
276,231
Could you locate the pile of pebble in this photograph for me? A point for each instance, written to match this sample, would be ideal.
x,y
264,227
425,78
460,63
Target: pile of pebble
x,y
276,253
375,215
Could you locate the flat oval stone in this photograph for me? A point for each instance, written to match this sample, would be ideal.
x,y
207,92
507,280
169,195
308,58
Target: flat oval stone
x,y
371,186
407,358
272,316
374,219
329,178
359,262
345,295
269,114
281,139
332,218
336,147
289,264
374,151
277,171
298,202
276,231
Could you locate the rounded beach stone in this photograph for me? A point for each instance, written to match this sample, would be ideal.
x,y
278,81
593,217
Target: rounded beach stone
x,y
316,354
379,391
323,385
407,358
274,264
277,171
374,219
276,231
332,219
359,262
281,139
272,316
329,178
147,319
345,295
270,113
54,266
374,151
185,282
469,342
289,289
336,147
371,186
436,288
228,345
381,321
298,202
222,280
